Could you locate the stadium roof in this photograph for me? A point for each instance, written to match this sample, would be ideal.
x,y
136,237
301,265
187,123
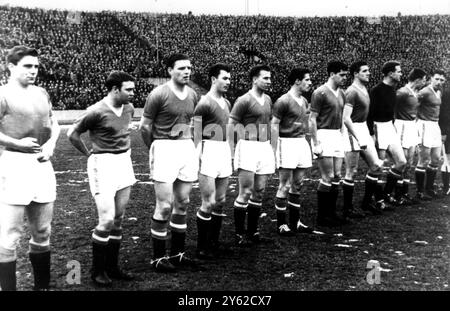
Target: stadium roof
x,y
251,7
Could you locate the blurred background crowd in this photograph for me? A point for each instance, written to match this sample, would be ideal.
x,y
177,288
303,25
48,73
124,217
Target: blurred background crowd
x,y
79,49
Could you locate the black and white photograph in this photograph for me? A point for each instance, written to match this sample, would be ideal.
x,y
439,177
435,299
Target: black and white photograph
x,y
224,152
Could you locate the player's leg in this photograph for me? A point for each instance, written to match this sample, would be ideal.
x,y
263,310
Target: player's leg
x,y
159,225
372,185
286,154
337,167
348,186
100,237
294,201
39,218
217,212
324,204
421,171
265,167
435,154
246,183
281,201
255,205
395,173
409,155
11,228
115,237
178,224
207,186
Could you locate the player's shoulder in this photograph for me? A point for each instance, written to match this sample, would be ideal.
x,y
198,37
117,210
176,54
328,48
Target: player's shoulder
x,y
128,107
96,107
377,86
284,98
424,91
351,91
160,89
244,97
403,91
205,100
191,90
321,90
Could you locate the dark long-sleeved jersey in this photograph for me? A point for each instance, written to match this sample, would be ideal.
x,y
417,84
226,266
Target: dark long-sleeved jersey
x,y
382,103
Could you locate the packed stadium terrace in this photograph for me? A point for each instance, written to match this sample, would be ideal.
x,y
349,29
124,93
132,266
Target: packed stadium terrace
x,y
78,52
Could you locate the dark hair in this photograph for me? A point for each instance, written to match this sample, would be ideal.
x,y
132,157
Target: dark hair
x,y
170,61
356,66
116,78
18,52
335,67
254,71
416,73
438,72
297,73
215,69
389,67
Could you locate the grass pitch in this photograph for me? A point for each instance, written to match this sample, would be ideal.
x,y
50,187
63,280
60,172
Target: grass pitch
x,y
411,244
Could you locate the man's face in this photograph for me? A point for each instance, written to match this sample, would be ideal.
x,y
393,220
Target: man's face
x,y
437,81
340,78
397,74
26,70
305,84
222,82
420,83
126,92
181,71
363,74
262,81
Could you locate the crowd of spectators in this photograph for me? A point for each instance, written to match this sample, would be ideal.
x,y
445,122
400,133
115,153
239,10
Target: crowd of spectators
x,y
78,56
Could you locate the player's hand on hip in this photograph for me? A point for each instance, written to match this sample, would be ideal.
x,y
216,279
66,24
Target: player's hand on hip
x,y
28,145
46,152
362,146
317,149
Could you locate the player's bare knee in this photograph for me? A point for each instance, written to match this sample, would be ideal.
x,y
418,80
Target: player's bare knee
x,y
245,194
183,200
221,199
296,185
163,211
284,188
208,205
257,194
118,219
41,235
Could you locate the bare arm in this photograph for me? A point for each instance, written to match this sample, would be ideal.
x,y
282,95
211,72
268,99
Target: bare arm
x,y
316,148
26,144
313,127
146,127
77,142
275,131
348,120
49,147
197,130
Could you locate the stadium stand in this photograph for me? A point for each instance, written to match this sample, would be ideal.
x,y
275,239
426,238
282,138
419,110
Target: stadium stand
x,y
76,52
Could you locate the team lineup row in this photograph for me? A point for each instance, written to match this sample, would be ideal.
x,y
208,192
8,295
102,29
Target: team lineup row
x,y
190,139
